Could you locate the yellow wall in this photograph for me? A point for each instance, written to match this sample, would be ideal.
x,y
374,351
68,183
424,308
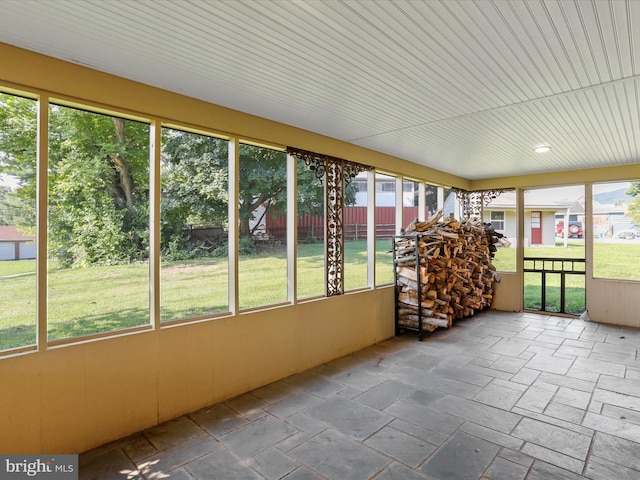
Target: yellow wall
x,y
74,397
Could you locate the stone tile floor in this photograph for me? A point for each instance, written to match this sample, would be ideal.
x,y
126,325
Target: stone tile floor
x,y
504,396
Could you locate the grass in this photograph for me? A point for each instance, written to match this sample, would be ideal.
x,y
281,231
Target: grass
x,y
101,299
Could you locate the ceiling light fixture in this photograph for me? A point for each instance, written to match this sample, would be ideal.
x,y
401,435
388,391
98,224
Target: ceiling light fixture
x,y
542,149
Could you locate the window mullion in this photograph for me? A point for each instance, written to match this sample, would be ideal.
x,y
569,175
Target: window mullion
x,y
41,219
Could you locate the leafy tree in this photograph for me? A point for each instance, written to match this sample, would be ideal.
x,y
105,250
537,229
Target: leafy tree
x,y
634,204
18,161
98,181
195,184
195,179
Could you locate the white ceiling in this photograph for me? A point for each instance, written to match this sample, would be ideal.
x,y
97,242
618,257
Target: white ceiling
x,y
469,87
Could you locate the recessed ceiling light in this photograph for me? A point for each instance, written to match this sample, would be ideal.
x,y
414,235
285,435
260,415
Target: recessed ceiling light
x,y
542,149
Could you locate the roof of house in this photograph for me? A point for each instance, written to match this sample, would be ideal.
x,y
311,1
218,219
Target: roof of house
x,y
12,234
538,200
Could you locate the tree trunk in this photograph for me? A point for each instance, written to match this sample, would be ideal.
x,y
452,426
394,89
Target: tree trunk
x,y
124,178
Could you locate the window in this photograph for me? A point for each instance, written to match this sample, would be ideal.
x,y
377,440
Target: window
x,y
98,225
262,270
194,228
385,227
497,220
355,236
615,220
449,206
410,207
311,233
17,221
431,199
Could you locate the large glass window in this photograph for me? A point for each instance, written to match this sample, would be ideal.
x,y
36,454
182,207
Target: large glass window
x,y
311,231
98,228
410,194
262,259
17,221
616,217
355,233
385,226
431,199
194,225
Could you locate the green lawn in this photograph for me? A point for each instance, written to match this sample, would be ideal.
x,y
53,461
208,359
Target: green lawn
x,y
99,299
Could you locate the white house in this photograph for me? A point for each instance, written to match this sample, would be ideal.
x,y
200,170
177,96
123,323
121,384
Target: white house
x,y
540,217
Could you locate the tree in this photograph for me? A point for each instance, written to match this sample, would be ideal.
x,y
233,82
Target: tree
x,y
18,161
98,181
634,204
195,176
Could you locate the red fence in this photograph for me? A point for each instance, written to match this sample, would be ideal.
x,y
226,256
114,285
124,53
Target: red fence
x,y
355,224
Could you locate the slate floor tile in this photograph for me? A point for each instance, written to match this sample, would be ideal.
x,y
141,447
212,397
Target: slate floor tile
x,y
603,469
462,457
551,364
616,369
110,465
553,437
526,376
218,419
221,464
491,435
612,426
498,396
178,456
502,469
275,392
302,473
273,464
246,404
619,385
256,436
485,415
173,432
425,416
565,412
429,436
564,462
384,394
349,417
356,461
292,405
537,397
401,446
617,450
397,471
628,415
424,397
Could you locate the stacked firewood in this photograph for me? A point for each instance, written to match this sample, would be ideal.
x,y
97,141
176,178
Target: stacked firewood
x,y
443,272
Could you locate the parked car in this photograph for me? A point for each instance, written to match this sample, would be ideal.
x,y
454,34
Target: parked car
x,y
575,229
627,234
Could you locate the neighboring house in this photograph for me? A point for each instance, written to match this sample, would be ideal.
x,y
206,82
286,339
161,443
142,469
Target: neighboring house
x,y
14,245
611,218
539,217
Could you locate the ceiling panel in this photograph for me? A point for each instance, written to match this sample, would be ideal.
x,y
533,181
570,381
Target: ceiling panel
x,y
467,87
